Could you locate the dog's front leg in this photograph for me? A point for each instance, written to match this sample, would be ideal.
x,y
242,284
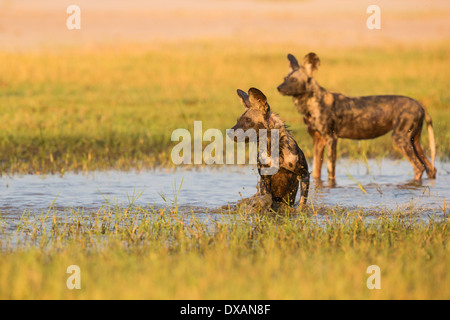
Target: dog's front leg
x,y
304,184
264,184
319,147
331,153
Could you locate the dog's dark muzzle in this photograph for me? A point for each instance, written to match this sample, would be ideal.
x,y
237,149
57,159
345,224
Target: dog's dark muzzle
x,y
282,89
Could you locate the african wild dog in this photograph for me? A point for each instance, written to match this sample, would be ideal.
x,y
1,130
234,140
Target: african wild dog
x,y
283,185
330,116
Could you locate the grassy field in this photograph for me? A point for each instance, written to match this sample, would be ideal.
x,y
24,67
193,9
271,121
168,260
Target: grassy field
x,y
97,109
117,107
136,253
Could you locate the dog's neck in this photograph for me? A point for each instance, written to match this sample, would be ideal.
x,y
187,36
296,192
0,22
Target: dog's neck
x,y
275,123
313,91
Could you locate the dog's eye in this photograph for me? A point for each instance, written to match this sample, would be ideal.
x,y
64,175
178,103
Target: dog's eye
x,y
248,120
293,79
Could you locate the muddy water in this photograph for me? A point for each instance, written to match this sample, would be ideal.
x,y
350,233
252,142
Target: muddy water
x,y
384,184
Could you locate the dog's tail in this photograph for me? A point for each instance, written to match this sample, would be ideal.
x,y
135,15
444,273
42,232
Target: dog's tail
x,y
431,139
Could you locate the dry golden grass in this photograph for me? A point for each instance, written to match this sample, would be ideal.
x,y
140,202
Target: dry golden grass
x,y
135,253
104,108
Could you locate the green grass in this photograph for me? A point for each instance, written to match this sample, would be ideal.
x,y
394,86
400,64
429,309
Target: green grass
x,y
139,253
116,108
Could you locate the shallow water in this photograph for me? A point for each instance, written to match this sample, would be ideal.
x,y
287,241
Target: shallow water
x,y
385,184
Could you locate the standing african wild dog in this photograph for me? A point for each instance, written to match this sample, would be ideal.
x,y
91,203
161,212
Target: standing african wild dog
x,y
283,185
330,116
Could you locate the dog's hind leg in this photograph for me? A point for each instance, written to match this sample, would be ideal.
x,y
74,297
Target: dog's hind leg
x,y
405,145
429,168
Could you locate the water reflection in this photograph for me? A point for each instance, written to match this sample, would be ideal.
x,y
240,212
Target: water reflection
x,y
383,183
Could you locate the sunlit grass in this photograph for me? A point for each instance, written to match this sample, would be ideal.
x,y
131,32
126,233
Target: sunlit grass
x,y
104,108
147,253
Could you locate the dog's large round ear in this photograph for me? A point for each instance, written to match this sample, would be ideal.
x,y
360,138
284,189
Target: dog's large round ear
x,y
244,98
258,100
311,63
293,62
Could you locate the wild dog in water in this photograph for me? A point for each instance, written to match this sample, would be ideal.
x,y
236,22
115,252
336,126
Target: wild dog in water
x,y
282,186
330,116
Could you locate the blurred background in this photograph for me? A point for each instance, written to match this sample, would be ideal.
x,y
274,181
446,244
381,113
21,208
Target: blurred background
x,y
33,24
